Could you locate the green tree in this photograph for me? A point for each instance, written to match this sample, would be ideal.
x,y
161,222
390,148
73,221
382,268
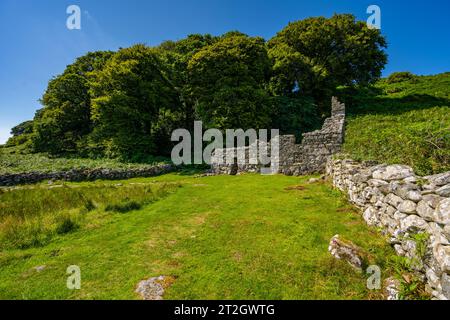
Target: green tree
x,y
312,57
63,125
21,134
294,115
132,98
177,54
227,81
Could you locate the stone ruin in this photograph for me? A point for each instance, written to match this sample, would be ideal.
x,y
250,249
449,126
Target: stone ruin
x,y
309,157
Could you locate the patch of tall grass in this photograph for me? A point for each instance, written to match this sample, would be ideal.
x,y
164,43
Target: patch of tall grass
x,y
32,217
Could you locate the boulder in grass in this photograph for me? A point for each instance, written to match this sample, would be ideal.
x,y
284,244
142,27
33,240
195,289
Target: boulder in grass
x,y
345,250
153,288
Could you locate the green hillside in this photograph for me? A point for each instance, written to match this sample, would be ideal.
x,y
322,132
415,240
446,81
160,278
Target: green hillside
x,y
402,119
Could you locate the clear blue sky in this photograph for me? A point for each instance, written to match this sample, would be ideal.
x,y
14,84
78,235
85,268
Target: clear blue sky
x,y
36,45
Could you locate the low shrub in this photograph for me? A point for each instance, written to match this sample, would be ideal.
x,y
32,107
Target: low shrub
x,y
66,225
397,77
124,207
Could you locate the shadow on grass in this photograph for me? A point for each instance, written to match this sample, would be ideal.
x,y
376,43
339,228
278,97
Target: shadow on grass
x,y
192,170
375,100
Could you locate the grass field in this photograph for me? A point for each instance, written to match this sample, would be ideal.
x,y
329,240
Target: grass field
x,y
221,237
12,160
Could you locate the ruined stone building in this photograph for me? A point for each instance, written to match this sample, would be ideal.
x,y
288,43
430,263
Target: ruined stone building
x,y
294,159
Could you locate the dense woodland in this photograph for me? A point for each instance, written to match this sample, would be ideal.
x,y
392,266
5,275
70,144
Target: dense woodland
x,y
126,104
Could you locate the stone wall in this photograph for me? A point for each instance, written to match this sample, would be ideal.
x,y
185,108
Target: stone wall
x,y
84,175
402,204
294,159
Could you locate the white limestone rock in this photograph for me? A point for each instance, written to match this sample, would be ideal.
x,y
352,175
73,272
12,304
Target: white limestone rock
x,y
437,234
442,255
393,172
439,179
407,206
153,288
425,210
370,216
390,211
414,195
392,289
432,200
399,216
442,212
447,231
433,278
399,249
411,179
393,200
413,221
377,183
389,223
402,190
444,191
445,283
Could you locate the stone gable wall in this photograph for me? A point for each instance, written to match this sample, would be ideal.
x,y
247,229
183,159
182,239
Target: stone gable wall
x,y
294,159
402,204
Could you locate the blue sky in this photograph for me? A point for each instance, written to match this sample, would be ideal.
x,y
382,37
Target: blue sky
x,y
36,45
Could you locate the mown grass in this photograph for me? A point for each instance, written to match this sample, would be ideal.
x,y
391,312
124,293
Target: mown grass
x,y
13,161
406,122
221,237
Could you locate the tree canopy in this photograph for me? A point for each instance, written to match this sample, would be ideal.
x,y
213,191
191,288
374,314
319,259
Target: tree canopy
x,y
227,80
132,97
63,124
127,103
312,57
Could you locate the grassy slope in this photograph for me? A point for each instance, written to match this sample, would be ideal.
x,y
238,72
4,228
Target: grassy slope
x,y
406,122
222,237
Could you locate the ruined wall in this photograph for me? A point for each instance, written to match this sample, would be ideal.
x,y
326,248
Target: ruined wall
x,y
294,159
402,204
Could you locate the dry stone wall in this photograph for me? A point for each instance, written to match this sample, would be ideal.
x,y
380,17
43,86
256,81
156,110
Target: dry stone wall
x,y
294,159
84,175
402,204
